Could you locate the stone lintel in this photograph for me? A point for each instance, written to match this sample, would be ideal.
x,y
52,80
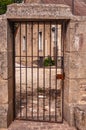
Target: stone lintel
x,y
48,11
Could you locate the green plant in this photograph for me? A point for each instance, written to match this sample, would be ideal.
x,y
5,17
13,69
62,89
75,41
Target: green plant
x,y
4,3
49,62
18,1
40,90
2,9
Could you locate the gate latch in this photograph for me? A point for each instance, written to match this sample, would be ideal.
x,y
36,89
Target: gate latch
x,y
60,76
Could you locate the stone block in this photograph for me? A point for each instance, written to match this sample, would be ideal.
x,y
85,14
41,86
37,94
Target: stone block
x,y
3,65
78,42
76,37
80,117
6,114
69,113
39,11
75,65
66,64
3,91
74,91
71,98
82,91
3,109
3,122
66,90
3,34
3,115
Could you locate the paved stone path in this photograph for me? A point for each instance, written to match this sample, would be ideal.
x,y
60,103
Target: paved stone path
x,y
29,125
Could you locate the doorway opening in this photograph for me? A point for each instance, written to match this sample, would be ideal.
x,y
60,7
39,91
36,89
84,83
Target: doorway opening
x,y
39,70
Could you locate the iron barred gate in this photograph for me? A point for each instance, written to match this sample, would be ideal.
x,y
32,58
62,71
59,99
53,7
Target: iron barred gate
x,y
38,49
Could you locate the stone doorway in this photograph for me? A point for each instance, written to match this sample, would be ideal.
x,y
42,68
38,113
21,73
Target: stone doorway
x,y
74,55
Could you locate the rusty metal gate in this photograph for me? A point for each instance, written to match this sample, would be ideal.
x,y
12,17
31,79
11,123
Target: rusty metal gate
x,y
38,49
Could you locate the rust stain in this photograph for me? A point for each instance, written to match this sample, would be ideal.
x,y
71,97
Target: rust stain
x,y
60,76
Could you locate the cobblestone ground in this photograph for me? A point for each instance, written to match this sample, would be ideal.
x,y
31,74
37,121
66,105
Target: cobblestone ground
x,y
29,125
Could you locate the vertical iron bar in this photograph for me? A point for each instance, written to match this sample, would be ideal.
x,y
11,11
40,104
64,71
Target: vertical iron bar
x,y
63,40
38,76
50,79
14,69
44,73
32,63
26,63
62,35
56,73
20,76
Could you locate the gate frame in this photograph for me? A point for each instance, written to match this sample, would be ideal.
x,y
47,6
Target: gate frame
x,y
63,25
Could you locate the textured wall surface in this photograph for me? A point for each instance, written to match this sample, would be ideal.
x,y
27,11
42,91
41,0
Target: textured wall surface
x,y
80,117
75,67
3,73
35,11
6,73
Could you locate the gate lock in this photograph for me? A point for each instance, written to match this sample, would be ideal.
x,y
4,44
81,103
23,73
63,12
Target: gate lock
x,y
60,76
